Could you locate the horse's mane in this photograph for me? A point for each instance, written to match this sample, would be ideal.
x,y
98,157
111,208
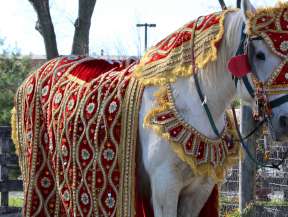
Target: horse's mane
x,y
226,49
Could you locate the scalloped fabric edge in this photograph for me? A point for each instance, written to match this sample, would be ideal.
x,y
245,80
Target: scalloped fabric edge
x,y
182,69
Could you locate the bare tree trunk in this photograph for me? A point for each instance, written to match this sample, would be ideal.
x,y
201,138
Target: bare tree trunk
x,y
45,26
82,27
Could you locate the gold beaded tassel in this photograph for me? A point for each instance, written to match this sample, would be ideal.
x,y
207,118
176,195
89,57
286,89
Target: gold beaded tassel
x,y
266,143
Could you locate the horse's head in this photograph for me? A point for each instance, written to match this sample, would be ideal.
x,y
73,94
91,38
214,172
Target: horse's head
x,y
265,55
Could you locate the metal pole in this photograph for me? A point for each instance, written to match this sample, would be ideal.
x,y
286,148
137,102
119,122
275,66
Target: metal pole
x,y
146,29
247,169
146,25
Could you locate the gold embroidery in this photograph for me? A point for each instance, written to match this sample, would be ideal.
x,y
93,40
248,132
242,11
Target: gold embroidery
x,y
178,63
205,168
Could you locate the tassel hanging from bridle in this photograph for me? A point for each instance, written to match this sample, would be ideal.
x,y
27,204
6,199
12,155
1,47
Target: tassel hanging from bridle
x,y
266,148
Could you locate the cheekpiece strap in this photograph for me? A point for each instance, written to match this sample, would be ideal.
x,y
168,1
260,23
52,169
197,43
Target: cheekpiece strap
x,y
248,86
279,101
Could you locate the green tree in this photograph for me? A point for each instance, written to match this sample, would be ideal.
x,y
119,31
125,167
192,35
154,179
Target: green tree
x,y
13,70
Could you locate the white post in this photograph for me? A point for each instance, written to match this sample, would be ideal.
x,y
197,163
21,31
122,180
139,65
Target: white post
x,y
247,168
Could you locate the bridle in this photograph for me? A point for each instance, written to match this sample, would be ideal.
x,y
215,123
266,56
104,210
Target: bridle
x,y
264,107
260,93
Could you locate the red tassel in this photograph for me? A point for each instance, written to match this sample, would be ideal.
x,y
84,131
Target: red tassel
x,y
239,66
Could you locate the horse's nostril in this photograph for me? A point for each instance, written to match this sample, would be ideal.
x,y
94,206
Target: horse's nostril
x,y
283,122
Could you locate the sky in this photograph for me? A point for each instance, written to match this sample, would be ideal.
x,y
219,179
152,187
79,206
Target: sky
x,y
113,26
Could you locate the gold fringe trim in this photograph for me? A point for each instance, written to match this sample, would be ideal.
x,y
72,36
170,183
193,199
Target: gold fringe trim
x,y
213,55
171,76
76,80
217,173
269,11
14,133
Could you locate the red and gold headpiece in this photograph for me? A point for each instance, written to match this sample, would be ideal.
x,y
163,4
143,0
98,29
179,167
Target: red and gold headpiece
x,y
272,25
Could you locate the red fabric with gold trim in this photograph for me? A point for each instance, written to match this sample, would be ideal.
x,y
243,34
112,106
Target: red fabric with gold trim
x,y
193,143
171,58
272,25
163,48
75,158
206,157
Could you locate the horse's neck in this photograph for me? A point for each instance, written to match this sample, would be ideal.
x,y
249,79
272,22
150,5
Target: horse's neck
x,y
216,84
190,107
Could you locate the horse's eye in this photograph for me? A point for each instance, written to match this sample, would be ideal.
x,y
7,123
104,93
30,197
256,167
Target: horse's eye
x,y
261,56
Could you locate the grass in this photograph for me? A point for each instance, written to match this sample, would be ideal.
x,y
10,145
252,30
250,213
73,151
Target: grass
x,y
224,199
274,202
18,202
15,201
247,211
235,213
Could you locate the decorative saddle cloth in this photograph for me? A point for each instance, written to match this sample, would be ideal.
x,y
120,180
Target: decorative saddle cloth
x,y
171,58
77,122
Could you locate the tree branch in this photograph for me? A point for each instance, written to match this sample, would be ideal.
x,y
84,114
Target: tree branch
x,y
82,25
45,27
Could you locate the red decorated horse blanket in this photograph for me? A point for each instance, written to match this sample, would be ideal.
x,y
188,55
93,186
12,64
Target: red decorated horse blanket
x,y
77,118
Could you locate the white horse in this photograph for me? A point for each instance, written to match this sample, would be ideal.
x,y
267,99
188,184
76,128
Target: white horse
x,y
175,190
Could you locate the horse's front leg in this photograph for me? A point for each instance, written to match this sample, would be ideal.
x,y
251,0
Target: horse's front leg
x,y
166,186
193,197
161,164
166,181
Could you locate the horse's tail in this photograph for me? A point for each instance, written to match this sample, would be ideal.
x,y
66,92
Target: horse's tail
x,y
14,134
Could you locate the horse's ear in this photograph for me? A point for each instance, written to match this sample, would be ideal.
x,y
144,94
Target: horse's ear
x,y
247,7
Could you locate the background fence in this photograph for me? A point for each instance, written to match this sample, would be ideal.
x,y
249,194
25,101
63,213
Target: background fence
x,y
271,189
10,181
267,188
